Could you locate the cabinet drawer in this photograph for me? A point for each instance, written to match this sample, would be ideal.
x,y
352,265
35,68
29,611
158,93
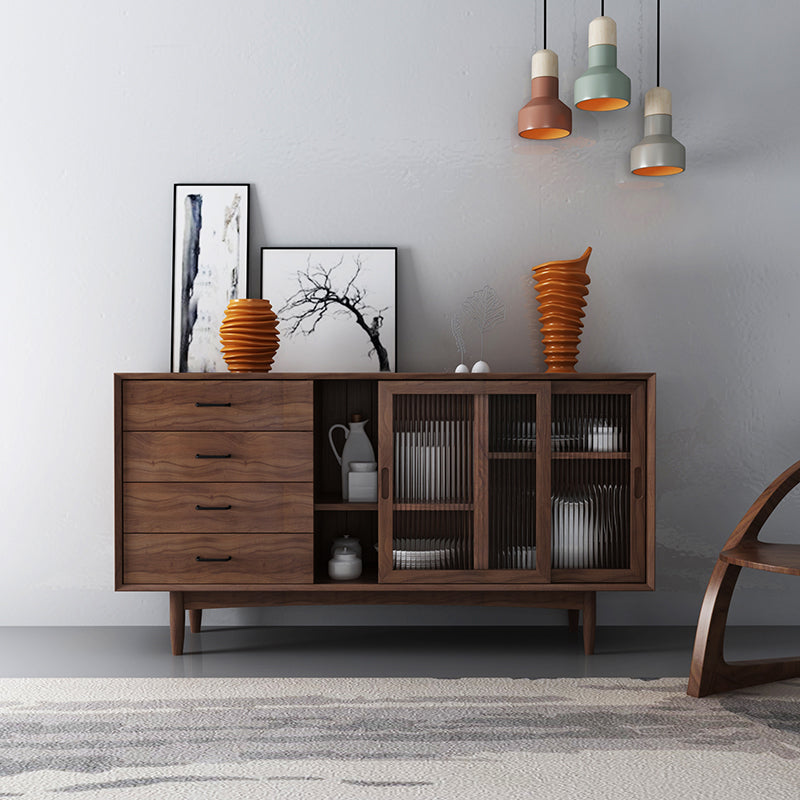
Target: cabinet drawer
x,y
240,559
212,405
218,507
217,456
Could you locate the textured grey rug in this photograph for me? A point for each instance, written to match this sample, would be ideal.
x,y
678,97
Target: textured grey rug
x,y
395,738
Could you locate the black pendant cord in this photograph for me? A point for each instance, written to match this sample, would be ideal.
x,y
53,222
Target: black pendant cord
x,y
658,42
602,8
545,25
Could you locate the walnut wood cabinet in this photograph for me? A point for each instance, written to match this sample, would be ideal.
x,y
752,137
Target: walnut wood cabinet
x,y
498,489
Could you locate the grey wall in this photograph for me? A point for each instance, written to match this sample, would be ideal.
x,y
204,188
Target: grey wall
x,y
377,122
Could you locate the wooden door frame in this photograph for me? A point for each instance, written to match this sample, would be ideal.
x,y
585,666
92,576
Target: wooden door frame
x,y
480,391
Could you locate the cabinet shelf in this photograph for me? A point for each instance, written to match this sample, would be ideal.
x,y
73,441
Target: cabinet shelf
x,y
611,456
340,505
369,577
525,456
433,507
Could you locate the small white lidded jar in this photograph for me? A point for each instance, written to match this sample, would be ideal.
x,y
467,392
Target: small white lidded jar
x,y
348,541
345,565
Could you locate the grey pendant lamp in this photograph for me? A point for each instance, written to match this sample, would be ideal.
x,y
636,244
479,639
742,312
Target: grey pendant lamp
x,y
659,153
545,116
603,87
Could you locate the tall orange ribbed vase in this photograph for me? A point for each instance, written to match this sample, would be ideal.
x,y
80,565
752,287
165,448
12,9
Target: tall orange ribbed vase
x,y
561,288
249,335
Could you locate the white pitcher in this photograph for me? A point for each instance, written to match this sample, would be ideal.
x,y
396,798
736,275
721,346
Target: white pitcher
x,y
357,447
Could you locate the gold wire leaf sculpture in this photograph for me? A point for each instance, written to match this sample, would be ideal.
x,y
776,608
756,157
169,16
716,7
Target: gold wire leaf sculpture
x,y
485,309
458,334
249,335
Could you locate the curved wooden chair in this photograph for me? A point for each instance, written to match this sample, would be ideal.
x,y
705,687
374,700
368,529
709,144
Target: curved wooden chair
x,y
710,673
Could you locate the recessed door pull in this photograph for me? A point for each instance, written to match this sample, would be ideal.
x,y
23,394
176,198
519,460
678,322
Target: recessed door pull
x,y
203,558
213,405
203,455
213,508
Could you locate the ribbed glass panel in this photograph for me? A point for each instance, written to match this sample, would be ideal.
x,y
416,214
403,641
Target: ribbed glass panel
x,y
591,514
433,463
591,493
512,423
432,540
512,514
433,448
512,480
591,423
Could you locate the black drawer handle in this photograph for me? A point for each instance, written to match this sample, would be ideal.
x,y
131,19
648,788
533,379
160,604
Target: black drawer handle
x,y
202,558
213,508
203,455
213,405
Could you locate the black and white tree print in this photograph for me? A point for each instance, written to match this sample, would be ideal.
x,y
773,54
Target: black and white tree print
x,y
336,289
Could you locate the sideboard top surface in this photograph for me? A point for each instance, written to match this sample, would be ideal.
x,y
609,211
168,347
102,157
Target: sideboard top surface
x,y
389,376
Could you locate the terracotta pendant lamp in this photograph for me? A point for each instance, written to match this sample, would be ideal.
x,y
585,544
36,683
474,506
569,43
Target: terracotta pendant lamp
x,y
659,153
603,87
545,117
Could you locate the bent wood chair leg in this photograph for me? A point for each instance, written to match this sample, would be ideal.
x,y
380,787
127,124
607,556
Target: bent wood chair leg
x,y
195,619
710,673
589,618
177,622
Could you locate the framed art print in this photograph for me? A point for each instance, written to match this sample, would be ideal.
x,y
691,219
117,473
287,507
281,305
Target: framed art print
x,y
336,307
209,269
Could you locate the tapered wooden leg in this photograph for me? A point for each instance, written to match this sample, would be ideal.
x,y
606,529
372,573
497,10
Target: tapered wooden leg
x,y
572,616
177,621
589,617
195,619
710,673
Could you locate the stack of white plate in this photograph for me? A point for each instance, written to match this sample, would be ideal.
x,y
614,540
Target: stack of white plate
x,y
562,443
424,553
520,557
520,436
432,464
587,529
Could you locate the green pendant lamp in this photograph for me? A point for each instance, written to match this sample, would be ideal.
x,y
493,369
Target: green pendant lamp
x,y
659,153
603,87
545,117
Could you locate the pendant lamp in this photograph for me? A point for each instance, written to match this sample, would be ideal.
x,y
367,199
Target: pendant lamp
x,y
603,87
659,152
545,117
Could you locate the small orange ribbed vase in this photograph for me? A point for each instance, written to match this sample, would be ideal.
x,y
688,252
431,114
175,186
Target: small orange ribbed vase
x,y
249,335
561,287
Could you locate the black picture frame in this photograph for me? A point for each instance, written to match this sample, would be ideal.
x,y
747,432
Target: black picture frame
x,y
336,307
210,242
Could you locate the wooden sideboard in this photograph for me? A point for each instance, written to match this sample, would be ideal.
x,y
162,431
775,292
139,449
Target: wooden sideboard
x,y
493,489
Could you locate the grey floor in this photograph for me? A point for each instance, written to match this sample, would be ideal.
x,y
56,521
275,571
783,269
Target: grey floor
x,y
515,652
